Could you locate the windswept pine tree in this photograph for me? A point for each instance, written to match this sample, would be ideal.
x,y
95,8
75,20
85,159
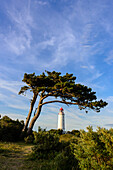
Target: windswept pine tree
x,y
60,89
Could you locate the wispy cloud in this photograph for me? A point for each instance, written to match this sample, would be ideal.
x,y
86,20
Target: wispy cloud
x,y
9,95
12,86
14,116
18,37
14,102
109,125
109,58
71,39
16,45
41,2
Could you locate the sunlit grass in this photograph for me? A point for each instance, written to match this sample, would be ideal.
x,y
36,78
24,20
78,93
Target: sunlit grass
x,y
14,156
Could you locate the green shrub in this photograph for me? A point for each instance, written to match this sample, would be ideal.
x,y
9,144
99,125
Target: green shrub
x,y
10,130
56,131
74,132
61,161
46,145
65,159
66,137
29,139
94,150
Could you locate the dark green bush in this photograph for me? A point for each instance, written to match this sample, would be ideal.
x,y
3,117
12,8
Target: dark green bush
x,y
29,139
65,161
74,132
55,131
10,130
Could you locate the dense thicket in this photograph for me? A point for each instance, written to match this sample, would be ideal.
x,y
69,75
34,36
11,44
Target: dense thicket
x,y
10,130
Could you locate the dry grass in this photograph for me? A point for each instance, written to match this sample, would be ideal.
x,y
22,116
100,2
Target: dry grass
x,y
13,155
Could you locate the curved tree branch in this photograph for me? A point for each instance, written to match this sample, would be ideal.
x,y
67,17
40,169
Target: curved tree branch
x,y
59,101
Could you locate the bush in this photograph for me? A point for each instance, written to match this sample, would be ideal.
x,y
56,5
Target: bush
x,y
54,131
65,159
61,161
74,132
46,145
29,139
94,150
10,130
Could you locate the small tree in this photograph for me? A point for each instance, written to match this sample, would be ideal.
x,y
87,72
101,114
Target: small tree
x,y
63,88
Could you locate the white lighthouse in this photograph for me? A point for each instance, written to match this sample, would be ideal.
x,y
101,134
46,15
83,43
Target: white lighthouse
x,y
61,122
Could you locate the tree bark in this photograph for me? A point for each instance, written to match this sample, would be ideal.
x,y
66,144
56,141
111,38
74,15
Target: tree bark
x,y
30,112
35,117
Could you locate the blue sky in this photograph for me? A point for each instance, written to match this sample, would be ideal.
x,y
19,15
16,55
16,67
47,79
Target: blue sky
x,y
74,36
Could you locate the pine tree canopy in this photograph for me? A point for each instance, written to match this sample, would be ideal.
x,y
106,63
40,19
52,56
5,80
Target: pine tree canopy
x,y
63,88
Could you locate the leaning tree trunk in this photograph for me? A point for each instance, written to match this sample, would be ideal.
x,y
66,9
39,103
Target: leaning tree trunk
x,y
30,112
35,117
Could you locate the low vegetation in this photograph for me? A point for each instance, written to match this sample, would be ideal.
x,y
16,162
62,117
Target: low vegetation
x,y
52,150
94,150
10,130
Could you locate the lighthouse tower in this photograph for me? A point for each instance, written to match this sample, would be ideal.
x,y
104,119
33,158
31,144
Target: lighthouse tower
x,y
61,123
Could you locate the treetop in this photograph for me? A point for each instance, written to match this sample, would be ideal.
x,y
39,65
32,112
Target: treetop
x,y
64,87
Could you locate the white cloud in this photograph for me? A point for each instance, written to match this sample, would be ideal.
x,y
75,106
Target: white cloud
x,y
89,67
41,2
